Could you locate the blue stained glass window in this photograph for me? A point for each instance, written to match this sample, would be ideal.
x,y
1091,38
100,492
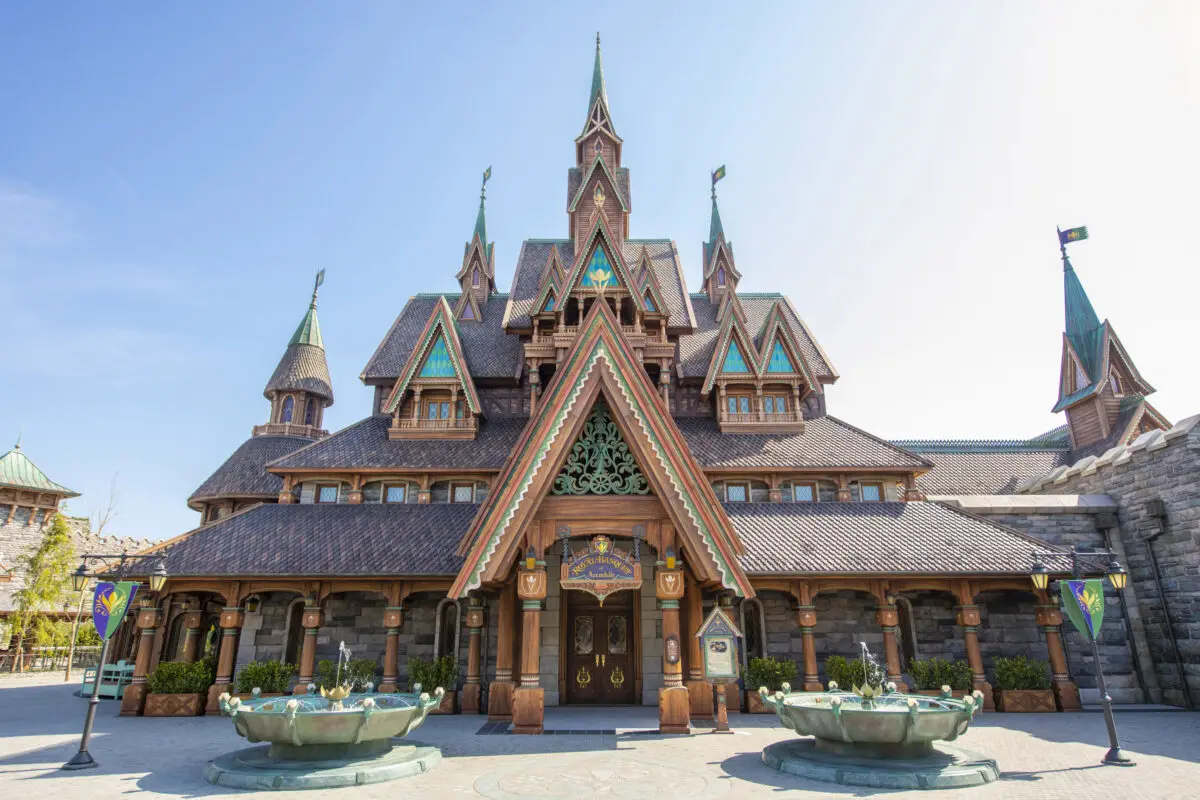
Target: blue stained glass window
x,y
649,304
733,359
731,402
780,361
735,493
395,494
599,271
437,363
549,304
289,406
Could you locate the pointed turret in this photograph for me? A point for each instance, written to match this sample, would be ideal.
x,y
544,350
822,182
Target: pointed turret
x,y
18,472
720,273
477,275
599,91
1100,388
300,388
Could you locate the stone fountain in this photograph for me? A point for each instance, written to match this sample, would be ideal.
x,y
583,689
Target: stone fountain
x,y
326,740
876,736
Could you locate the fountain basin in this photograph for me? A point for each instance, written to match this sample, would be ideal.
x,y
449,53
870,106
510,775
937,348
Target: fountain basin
x,y
324,742
892,725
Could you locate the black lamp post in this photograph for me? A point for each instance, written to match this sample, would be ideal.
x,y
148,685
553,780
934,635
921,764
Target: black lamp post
x,y
79,580
1118,577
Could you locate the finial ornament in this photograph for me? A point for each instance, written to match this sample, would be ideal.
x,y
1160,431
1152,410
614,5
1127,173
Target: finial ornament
x,y
20,433
317,285
1070,235
487,174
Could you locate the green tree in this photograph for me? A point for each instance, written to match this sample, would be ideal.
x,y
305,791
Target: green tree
x,y
47,570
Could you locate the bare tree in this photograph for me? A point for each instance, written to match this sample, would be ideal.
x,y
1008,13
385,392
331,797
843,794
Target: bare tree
x,y
99,523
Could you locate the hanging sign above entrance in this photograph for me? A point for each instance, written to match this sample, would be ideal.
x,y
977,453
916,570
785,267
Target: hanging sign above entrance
x,y
600,570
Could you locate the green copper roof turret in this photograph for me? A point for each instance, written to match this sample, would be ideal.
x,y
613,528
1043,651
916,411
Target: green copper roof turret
x,y
1082,324
598,88
481,218
714,226
303,365
18,471
309,331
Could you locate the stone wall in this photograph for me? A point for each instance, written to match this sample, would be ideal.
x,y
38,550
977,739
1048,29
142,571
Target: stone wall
x,y
1164,467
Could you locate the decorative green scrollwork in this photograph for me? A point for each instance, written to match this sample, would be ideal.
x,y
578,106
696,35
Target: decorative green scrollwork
x,y
600,461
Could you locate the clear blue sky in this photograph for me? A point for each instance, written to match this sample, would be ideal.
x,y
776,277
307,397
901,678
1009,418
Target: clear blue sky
x,y
172,176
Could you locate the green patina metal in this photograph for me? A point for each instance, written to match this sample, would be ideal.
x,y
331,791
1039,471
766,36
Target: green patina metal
x,y
600,462
17,470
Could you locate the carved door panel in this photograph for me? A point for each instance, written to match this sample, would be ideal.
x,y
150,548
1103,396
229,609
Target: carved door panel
x,y
600,656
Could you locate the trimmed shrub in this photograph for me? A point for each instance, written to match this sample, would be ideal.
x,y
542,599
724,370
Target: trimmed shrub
x,y
847,674
1021,673
176,677
769,672
272,677
938,672
441,672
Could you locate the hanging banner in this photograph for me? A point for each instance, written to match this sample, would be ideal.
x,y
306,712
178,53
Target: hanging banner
x,y
1084,603
109,605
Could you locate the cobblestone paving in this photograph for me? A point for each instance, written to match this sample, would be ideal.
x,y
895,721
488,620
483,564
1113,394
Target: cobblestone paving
x,y
1040,755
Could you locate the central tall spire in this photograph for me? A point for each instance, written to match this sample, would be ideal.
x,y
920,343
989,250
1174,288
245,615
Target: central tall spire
x,y
599,91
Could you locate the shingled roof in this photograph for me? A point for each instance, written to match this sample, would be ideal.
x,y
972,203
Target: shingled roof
x,y
244,475
18,471
825,442
983,472
324,540
664,260
302,368
695,350
365,444
879,538
490,353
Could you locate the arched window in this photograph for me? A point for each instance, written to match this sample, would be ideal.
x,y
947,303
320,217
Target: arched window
x,y
310,412
720,277
289,406
599,146
475,277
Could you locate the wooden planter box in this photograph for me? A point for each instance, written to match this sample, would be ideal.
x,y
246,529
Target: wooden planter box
x,y
175,705
447,706
754,704
1025,700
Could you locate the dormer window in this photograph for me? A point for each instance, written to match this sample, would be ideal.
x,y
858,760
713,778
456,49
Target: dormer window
x,y
804,492
720,277
462,493
738,404
468,312
327,493
1115,382
866,492
289,408
737,493
775,404
437,409
310,412
395,493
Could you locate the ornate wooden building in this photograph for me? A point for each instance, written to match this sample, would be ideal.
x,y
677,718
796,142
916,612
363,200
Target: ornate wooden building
x,y
554,483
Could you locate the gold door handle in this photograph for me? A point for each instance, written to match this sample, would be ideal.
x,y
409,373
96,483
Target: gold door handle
x,y
603,659
597,660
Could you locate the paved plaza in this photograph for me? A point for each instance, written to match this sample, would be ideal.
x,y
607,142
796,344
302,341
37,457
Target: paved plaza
x,y
1040,756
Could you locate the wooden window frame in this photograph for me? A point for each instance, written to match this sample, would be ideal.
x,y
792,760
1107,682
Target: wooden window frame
x,y
337,489
383,497
812,487
744,484
877,484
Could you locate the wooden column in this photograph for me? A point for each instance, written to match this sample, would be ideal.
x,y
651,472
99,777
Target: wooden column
x,y
134,698
472,690
673,705
393,623
311,620
843,489
806,618
911,492
968,618
1066,693
528,707
700,691
232,619
500,693
191,636
888,618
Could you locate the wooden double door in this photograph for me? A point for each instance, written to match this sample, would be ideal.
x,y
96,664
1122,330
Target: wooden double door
x,y
601,648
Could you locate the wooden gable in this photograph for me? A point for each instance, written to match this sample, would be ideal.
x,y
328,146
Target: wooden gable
x,y
601,365
734,355
438,358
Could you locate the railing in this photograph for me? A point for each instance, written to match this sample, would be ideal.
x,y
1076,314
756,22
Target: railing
x,y
288,429
754,418
48,659
408,423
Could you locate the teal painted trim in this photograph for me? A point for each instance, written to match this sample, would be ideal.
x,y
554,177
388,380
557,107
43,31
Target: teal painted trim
x,y
733,360
779,360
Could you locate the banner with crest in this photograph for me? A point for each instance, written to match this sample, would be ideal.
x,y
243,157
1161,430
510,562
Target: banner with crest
x,y
110,604
1084,603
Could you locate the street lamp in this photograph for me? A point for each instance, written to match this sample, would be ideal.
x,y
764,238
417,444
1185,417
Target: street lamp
x,y
1118,577
79,579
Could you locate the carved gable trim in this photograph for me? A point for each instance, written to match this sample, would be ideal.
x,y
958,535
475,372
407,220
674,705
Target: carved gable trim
x,y
440,325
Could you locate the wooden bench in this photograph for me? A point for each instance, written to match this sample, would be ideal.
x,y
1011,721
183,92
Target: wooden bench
x,y
113,680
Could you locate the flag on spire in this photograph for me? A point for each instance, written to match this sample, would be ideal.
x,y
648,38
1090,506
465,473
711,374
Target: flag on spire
x,y
1072,235
487,173
718,173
